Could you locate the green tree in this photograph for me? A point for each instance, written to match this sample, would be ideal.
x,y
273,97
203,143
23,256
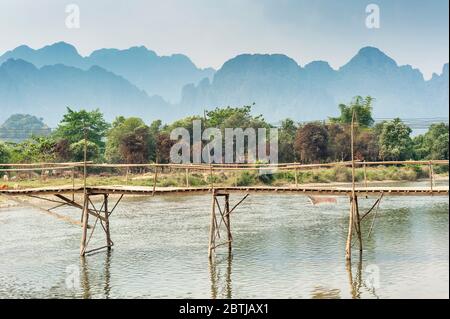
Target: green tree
x,y
311,143
395,141
4,153
155,131
286,138
363,112
128,141
74,124
433,144
77,150
233,117
339,147
32,150
121,130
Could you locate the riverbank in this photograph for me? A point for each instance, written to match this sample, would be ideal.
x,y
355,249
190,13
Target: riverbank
x,y
7,203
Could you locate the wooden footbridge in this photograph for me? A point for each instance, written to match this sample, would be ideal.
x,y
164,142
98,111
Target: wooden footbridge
x,y
220,213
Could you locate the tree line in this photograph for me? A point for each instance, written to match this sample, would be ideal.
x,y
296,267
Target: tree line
x,y
131,140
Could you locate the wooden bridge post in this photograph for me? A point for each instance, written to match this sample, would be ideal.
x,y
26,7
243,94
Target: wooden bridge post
x,y
358,225
85,218
187,177
431,176
354,225
73,183
108,234
228,221
212,227
296,176
348,248
155,179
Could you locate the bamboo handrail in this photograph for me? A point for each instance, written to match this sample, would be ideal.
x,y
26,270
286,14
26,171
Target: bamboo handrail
x,y
216,167
43,164
32,169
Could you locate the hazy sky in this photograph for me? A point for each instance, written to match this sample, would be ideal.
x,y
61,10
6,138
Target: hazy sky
x,y
211,31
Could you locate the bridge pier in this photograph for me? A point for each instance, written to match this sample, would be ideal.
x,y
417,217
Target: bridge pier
x,y
354,227
101,215
217,220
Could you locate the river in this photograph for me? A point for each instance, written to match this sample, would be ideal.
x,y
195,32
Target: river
x,y
284,247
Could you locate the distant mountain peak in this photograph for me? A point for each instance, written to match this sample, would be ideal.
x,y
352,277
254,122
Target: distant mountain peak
x,y
445,69
260,62
61,45
319,66
136,51
17,65
370,57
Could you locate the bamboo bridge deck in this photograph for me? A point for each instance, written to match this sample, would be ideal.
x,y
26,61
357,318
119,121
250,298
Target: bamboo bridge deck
x,y
311,190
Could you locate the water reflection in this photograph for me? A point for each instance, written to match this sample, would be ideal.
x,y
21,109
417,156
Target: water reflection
x,y
103,281
362,281
221,283
325,293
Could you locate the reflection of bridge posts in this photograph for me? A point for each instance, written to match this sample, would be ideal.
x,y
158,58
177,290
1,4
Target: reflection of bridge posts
x,y
85,285
355,283
215,278
360,283
85,281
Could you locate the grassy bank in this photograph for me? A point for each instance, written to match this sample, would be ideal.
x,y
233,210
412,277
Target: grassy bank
x,y
177,178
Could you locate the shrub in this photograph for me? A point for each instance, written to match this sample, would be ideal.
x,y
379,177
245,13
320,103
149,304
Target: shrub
x,y
266,178
245,179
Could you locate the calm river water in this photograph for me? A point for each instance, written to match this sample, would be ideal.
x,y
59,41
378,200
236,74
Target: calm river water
x,y
283,248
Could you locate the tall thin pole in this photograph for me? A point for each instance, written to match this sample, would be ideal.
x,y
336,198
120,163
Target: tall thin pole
x,y
212,229
353,153
348,254
211,174
85,215
85,161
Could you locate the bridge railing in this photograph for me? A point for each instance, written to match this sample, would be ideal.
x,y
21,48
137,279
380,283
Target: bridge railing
x,y
34,175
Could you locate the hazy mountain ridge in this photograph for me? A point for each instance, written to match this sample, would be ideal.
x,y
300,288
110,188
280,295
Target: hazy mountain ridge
x,y
47,91
278,85
157,75
314,91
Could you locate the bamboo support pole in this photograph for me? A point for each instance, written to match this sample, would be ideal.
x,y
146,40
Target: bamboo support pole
x,y
365,175
85,219
155,179
353,218
348,248
187,177
73,184
431,176
296,177
358,225
211,176
212,230
107,231
228,221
